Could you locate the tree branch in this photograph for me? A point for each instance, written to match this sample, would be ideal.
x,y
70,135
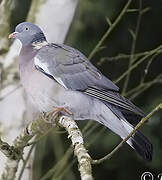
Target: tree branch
x,y
135,65
80,151
143,120
111,28
133,48
39,127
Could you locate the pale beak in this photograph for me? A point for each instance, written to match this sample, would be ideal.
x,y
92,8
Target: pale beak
x,y
12,35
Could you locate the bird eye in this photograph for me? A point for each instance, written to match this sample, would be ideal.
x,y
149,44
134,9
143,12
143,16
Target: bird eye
x,y
26,28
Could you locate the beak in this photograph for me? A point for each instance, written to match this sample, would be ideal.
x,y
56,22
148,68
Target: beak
x,y
12,35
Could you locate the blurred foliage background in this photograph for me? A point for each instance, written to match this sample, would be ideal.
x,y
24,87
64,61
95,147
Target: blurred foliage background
x,y
138,32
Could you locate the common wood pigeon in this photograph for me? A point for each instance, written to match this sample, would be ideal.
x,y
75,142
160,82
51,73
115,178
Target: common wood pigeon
x,y
56,76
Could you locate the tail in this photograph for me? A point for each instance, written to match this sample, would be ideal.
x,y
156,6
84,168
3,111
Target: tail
x,y
116,122
139,143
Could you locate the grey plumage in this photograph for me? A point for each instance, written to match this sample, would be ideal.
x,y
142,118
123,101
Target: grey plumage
x,y
56,75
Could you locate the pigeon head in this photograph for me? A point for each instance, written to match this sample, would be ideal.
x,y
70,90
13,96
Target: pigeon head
x,y
28,34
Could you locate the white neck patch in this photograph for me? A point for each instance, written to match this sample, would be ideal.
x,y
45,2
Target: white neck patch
x,y
39,45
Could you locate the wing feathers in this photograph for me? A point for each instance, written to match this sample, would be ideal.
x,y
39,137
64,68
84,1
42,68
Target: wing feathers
x,y
113,98
72,67
73,71
43,67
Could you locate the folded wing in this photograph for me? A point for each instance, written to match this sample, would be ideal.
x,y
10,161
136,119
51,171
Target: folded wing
x,y
72,70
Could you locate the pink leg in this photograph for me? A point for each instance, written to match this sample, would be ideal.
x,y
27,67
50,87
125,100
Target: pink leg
x,y
54,113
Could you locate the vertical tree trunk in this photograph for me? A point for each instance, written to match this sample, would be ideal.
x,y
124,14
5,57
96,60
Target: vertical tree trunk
x,y
54,17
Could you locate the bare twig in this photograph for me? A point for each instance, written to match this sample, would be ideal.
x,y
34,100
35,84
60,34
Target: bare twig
x,y
110,29
13,161
36,127
145,86
56,170
125,56
157,50
9,151
26,161
143,120
39,126
147,67
134,37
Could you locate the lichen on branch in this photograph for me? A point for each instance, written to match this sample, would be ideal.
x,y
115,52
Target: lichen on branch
x,y
84,159
40,127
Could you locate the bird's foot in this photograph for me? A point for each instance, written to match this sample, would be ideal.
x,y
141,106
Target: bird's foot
x,y
50,116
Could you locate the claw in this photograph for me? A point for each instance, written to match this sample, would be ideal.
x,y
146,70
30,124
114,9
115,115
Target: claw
x,y
48,117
